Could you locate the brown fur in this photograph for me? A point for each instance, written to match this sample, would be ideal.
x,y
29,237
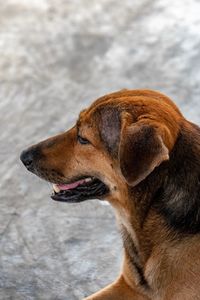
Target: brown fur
x,y
148,155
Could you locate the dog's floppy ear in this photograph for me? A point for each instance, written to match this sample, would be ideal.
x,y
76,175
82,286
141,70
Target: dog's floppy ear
x,y
141,150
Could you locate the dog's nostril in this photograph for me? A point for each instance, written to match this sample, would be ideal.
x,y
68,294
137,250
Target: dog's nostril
x,y
27,158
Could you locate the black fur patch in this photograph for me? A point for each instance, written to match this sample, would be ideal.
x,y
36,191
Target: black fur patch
x,y
178,200
133,256
109,127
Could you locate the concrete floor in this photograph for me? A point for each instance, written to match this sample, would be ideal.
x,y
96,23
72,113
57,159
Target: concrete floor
x,y
56,57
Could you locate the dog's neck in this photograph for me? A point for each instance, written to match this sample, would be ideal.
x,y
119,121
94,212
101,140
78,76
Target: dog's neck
x,y
178,198
167,201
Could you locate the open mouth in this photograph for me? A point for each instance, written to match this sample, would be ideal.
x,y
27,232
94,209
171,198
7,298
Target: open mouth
x,y
79,190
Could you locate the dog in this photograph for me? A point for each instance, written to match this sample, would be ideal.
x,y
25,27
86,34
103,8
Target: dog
x,y
135,149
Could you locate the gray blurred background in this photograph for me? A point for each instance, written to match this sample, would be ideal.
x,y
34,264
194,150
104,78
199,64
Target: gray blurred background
x,y
56,57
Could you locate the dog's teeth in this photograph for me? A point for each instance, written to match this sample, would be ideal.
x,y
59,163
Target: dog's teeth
x,y
56,188
88,179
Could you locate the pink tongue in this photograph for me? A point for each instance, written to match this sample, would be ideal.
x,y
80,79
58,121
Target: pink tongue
x,y
69,186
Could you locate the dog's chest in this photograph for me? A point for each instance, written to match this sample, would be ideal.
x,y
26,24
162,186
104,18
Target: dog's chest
x,y
125,224
131,246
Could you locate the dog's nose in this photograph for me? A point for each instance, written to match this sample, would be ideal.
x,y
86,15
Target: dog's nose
x,y
27,158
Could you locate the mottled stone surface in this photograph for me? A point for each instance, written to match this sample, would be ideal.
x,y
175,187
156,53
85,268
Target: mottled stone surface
x,y
56,56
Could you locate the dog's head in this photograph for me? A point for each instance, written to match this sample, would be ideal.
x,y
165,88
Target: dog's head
x,y
116,143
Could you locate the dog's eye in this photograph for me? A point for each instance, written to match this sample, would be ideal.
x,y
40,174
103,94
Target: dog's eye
x,y
82,140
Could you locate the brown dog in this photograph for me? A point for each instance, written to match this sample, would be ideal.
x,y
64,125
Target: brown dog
x,y
135,149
